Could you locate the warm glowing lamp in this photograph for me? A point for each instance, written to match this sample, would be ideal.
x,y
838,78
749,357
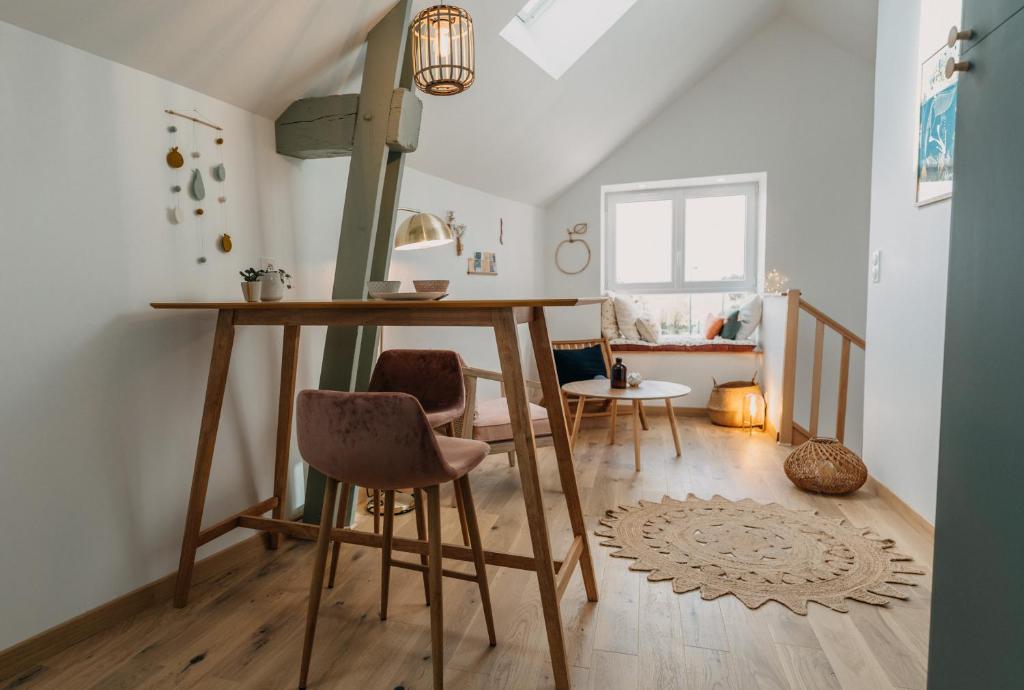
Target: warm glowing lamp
x,y
422,230
443,52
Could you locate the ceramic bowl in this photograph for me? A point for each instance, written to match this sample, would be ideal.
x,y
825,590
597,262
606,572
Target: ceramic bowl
x,y
430,285
384,286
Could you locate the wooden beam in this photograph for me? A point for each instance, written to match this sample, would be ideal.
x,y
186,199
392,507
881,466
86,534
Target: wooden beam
x,y
367,225
321,127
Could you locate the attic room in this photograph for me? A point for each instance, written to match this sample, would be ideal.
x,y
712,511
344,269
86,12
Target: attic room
x,y
511,344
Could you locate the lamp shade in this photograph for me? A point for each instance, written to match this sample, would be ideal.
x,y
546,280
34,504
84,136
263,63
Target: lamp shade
x,y
422,230
443,54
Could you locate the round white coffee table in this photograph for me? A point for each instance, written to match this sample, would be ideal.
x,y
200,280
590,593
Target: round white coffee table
x,y
648,390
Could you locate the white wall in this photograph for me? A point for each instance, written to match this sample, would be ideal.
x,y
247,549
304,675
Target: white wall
x,y
102,396
322,196
792,104
906,310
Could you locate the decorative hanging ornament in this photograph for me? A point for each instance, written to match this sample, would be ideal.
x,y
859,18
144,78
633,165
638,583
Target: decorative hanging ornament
x,y
176,215
222,199
174,158
196,188
219,140
176,188
199,212
218,172
443,52
225,242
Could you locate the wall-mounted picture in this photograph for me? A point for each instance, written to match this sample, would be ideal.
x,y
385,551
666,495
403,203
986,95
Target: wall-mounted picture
x,y
936,133
482,263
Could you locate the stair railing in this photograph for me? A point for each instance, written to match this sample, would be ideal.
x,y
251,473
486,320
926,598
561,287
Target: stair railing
x,y
789,430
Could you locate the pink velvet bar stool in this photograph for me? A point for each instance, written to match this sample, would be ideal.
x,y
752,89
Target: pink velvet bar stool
x,y
434,378
384,441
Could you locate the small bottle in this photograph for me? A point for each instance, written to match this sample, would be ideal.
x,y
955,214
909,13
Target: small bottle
x,y
618,374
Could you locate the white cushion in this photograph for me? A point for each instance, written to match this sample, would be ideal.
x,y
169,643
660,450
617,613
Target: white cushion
x,y
750,318
609,324
649,329
627,311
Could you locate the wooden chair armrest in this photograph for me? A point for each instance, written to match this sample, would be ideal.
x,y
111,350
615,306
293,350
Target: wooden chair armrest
x,y
474,373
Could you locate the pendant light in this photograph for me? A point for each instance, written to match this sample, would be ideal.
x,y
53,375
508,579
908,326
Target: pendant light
x,y
443,54
422,230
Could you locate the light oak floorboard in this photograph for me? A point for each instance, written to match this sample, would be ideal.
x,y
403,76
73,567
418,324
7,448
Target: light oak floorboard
x,y
244,629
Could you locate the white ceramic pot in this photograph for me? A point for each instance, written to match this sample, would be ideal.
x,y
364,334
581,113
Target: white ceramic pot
x,y
273,287
251,290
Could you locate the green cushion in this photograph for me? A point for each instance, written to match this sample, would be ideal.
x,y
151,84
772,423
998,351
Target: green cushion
x,y
731,327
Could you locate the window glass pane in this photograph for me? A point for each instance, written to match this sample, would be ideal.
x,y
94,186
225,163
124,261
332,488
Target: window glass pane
x,y
687,314
716,231
643,242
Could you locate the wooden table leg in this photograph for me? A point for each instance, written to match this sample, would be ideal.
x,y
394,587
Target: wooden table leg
x,y
611,429
563,453
636,434
515,391
223,340
672,422
285,409
576,422
643,416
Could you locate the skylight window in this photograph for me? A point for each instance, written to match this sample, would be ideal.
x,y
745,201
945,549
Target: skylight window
x,y
556,33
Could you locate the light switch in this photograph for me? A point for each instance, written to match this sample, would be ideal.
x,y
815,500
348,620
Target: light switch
x,y
876,266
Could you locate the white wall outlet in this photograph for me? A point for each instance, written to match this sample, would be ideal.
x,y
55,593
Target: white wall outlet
x,y
876,266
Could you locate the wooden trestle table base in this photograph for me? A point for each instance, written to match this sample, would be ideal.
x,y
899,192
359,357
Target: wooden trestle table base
x,y
500,315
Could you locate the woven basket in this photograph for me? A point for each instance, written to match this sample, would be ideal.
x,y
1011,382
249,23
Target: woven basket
x,y
826,466
725,405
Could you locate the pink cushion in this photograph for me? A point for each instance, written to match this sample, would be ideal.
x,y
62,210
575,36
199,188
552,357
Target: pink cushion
x,y
492,423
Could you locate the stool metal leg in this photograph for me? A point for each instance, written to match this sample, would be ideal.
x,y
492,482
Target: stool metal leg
x,y
317,581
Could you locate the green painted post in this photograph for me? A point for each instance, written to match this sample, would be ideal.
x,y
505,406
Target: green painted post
x,y
367,226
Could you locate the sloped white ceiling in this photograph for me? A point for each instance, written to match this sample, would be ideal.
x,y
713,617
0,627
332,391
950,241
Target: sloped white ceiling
x,y
517,132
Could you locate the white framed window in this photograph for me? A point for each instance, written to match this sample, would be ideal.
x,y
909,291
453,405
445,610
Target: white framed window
x,y
700,235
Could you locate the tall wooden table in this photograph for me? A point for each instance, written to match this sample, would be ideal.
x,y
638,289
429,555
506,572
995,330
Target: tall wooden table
x,y
500,315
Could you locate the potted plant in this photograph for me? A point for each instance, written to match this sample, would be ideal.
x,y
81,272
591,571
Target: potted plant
x,y
251,284
274,281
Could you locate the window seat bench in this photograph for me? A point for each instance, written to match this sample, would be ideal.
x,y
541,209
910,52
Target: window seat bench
x,y
683,343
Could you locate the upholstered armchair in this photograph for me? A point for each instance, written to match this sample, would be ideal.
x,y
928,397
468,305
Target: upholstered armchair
x,y
489,420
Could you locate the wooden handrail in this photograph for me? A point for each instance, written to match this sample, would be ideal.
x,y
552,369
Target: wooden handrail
x,y
788,426
832,323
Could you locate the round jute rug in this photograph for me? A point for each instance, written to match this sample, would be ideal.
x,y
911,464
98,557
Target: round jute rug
x,y
757,552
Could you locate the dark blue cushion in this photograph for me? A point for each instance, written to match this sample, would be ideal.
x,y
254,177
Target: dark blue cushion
x,y
580,365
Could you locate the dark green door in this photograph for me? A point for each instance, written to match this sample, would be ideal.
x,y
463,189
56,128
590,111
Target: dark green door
x,y
977,626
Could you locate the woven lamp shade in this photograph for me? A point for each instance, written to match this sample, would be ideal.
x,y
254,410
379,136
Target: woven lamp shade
x,y
443,53
825,466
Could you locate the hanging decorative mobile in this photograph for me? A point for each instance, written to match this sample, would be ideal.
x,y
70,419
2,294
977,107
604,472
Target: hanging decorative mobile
x,y
199,211
218,172
196,188
174,158
225,242
176,188
222,199
175,215
219,141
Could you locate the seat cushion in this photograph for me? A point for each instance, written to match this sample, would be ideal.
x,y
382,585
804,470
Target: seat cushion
x,y
436,418
581,364
461,454
492,423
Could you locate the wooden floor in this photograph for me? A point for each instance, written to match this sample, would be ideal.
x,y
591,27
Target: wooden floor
x,y
244,630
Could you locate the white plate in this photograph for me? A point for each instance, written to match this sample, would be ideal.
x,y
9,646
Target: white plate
x,y
408,296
